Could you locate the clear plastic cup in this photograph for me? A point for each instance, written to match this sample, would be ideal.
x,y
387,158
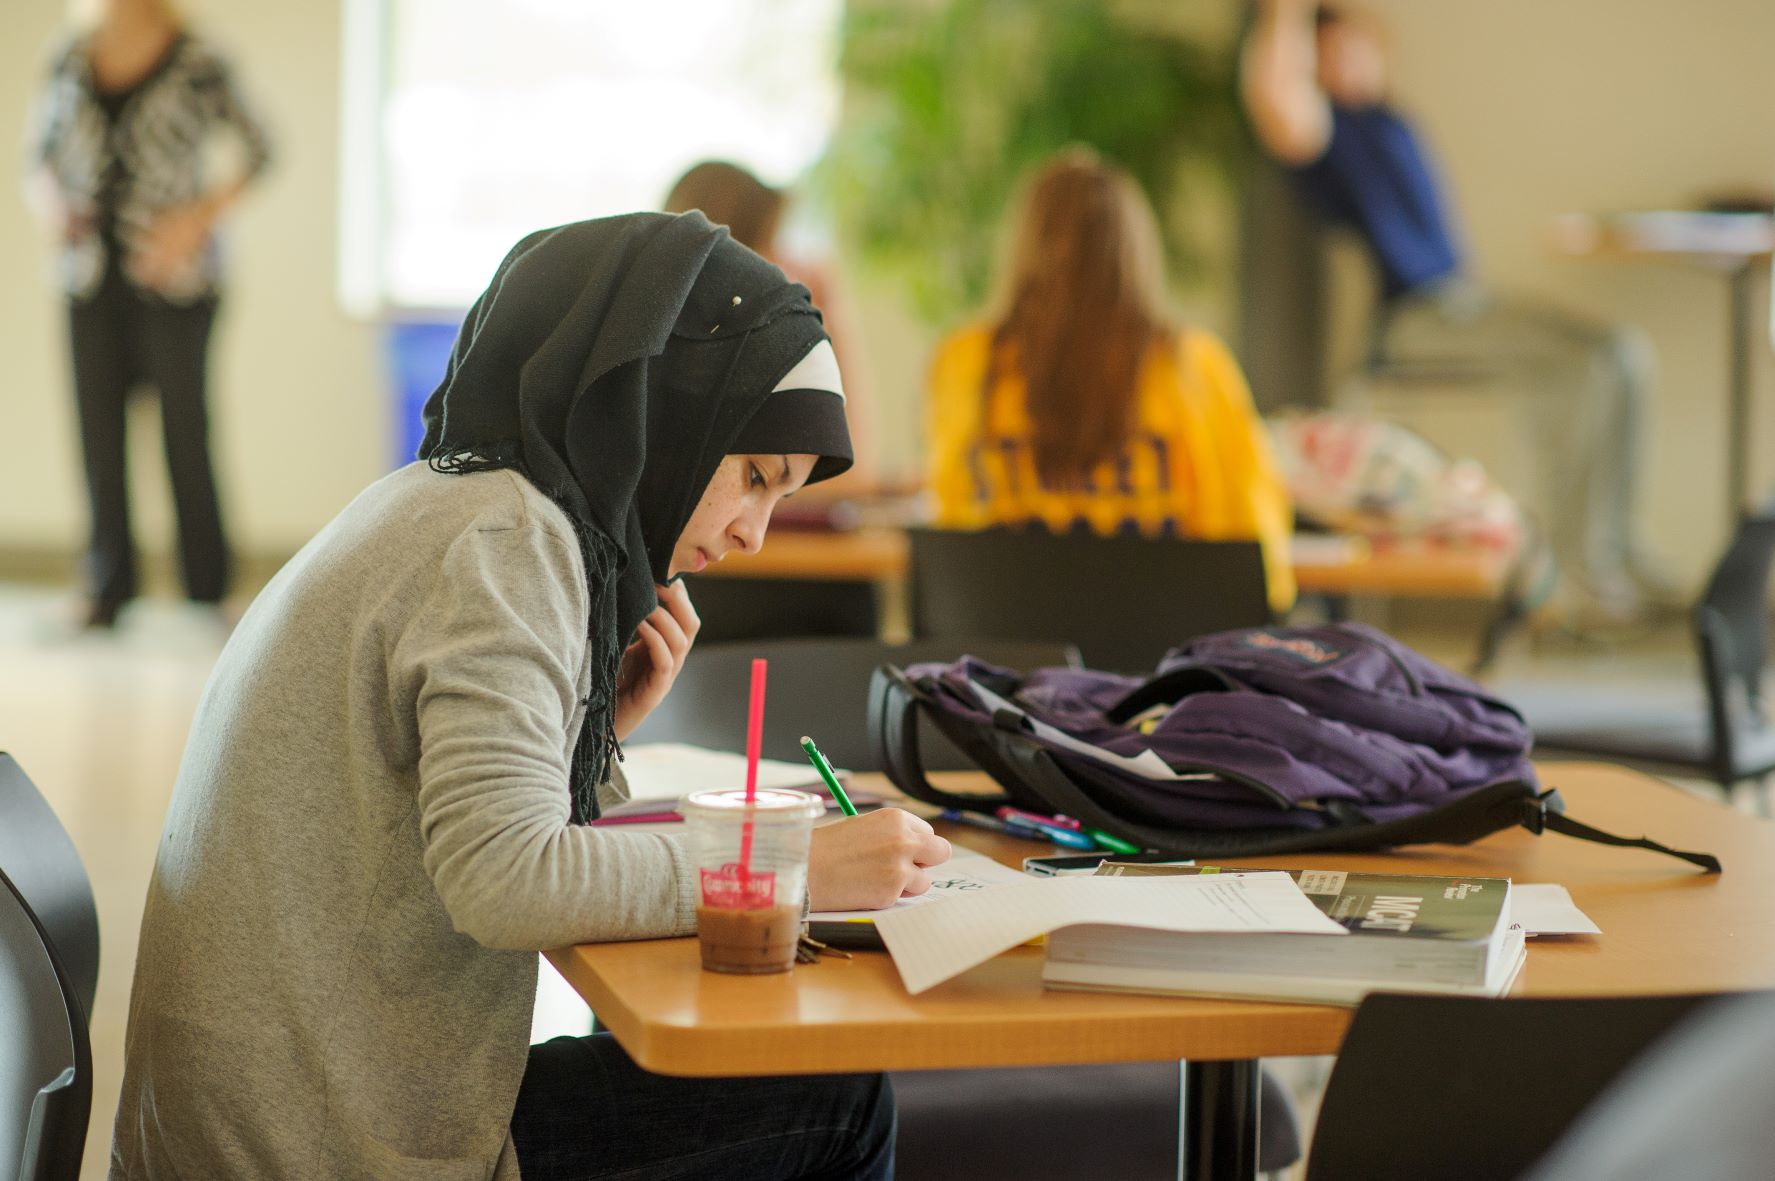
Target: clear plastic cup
x,y
749,900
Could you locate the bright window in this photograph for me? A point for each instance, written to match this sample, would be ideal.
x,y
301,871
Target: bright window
x,y
470,123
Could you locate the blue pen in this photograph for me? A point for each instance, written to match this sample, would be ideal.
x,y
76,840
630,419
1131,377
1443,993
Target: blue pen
x,y
1022,829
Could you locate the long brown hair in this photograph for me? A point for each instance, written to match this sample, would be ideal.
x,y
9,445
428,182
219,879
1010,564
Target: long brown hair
x,y
730,196
1085,304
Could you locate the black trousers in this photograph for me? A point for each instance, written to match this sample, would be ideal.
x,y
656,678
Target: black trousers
x,y
123,340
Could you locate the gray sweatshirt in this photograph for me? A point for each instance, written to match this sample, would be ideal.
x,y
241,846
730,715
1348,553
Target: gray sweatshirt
x,y
367,846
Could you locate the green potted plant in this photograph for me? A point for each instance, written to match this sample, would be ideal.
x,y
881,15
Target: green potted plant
x,y
950,102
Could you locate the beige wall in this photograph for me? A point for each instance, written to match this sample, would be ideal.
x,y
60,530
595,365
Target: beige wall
x,y
1537,109
298,421
1534,109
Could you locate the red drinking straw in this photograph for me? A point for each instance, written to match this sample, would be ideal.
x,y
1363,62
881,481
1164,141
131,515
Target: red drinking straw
x,y
754,741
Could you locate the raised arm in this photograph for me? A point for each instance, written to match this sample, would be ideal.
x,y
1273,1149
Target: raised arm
x,y
1288,110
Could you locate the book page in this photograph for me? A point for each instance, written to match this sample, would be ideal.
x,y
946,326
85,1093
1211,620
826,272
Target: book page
x,y
1546,908
932,943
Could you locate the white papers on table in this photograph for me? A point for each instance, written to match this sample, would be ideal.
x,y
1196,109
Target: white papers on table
x,y
665,772
932,943
966,872
1546,908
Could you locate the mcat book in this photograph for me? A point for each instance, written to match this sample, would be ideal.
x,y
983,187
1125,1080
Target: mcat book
x,y
1406,934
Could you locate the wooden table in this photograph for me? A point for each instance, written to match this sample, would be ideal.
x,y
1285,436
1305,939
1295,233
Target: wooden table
x,y
1668,929
1732,243
1405,570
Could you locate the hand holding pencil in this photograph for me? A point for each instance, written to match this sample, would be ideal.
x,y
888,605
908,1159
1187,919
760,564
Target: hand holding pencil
x,y
868,862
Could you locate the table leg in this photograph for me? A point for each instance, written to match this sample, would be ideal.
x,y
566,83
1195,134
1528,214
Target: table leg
x,y
1217,1121
1738,389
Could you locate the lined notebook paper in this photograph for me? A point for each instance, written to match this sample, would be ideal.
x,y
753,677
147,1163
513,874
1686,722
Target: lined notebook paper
x,y
932,943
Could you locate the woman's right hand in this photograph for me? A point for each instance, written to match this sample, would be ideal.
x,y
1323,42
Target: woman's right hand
x,y
869,862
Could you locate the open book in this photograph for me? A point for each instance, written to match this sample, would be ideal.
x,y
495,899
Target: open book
x,y
1406,934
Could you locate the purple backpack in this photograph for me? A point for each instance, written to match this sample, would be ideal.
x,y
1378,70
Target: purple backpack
x,y
1241,743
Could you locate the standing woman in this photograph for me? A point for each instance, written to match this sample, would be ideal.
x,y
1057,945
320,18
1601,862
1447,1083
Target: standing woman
x,y
1083,405
122,128
389,781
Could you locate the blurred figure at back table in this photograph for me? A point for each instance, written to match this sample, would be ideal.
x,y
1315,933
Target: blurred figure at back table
x,y
1315,86
1083,404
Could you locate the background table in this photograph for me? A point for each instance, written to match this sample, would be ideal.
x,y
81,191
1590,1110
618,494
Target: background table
x,y
1734,243
1405,569
1668,929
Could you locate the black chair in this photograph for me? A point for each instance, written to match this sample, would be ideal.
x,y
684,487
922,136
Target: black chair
x,y
1476,1088
735,609
1060,1123
1122,600
1716,726
1694,1106
815,687
40,859
45,1054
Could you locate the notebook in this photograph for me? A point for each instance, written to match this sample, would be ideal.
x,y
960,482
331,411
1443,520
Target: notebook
x,y
660,774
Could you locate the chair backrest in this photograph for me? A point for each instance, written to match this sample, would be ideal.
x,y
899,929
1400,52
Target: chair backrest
x,y
1695,1106
1731,634
40,859
815,687
1122,600
1477,1088
45,1055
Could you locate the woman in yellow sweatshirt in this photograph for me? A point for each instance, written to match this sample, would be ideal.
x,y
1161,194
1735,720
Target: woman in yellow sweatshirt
x,y
1085,406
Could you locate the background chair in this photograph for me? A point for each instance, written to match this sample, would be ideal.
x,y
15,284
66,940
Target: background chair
x,y
1122,600
1715,726
1695,1106
45,1050
1060,1123
816,687
734,609
1476,1088
44,867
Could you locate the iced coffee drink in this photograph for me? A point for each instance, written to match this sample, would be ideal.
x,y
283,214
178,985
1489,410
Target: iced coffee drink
x,y
751,867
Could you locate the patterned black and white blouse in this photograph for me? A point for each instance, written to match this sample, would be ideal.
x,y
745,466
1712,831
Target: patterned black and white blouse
x,y
118,160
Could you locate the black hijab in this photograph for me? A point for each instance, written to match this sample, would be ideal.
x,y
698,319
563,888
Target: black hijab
x,y
614,363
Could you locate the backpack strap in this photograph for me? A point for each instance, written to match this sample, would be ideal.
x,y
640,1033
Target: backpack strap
x,y
1547,811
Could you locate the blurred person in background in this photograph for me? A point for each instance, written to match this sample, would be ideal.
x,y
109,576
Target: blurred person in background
x,y
1315,86
1082,404
132,105
752,211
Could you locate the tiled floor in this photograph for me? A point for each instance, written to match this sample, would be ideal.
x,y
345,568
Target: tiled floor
x,y
99,722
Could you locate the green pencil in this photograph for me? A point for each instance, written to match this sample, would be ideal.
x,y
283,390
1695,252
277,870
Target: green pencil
x,y
825,769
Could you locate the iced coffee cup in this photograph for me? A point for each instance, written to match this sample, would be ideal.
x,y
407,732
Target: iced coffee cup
x,y
750,862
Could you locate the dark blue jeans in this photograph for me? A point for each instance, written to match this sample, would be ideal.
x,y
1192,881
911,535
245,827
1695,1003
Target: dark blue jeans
x,y
585,1111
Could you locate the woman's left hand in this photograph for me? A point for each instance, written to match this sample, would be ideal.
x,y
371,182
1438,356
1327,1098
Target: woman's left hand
x,y
651,663
174,238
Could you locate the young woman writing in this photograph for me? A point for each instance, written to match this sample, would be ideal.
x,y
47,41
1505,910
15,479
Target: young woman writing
x,y
381,816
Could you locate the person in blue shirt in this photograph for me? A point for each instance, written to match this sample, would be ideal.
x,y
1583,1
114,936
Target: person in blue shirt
x,y
1315,87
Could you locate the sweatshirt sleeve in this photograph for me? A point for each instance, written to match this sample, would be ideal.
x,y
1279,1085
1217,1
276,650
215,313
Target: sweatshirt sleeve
x,y
491,660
